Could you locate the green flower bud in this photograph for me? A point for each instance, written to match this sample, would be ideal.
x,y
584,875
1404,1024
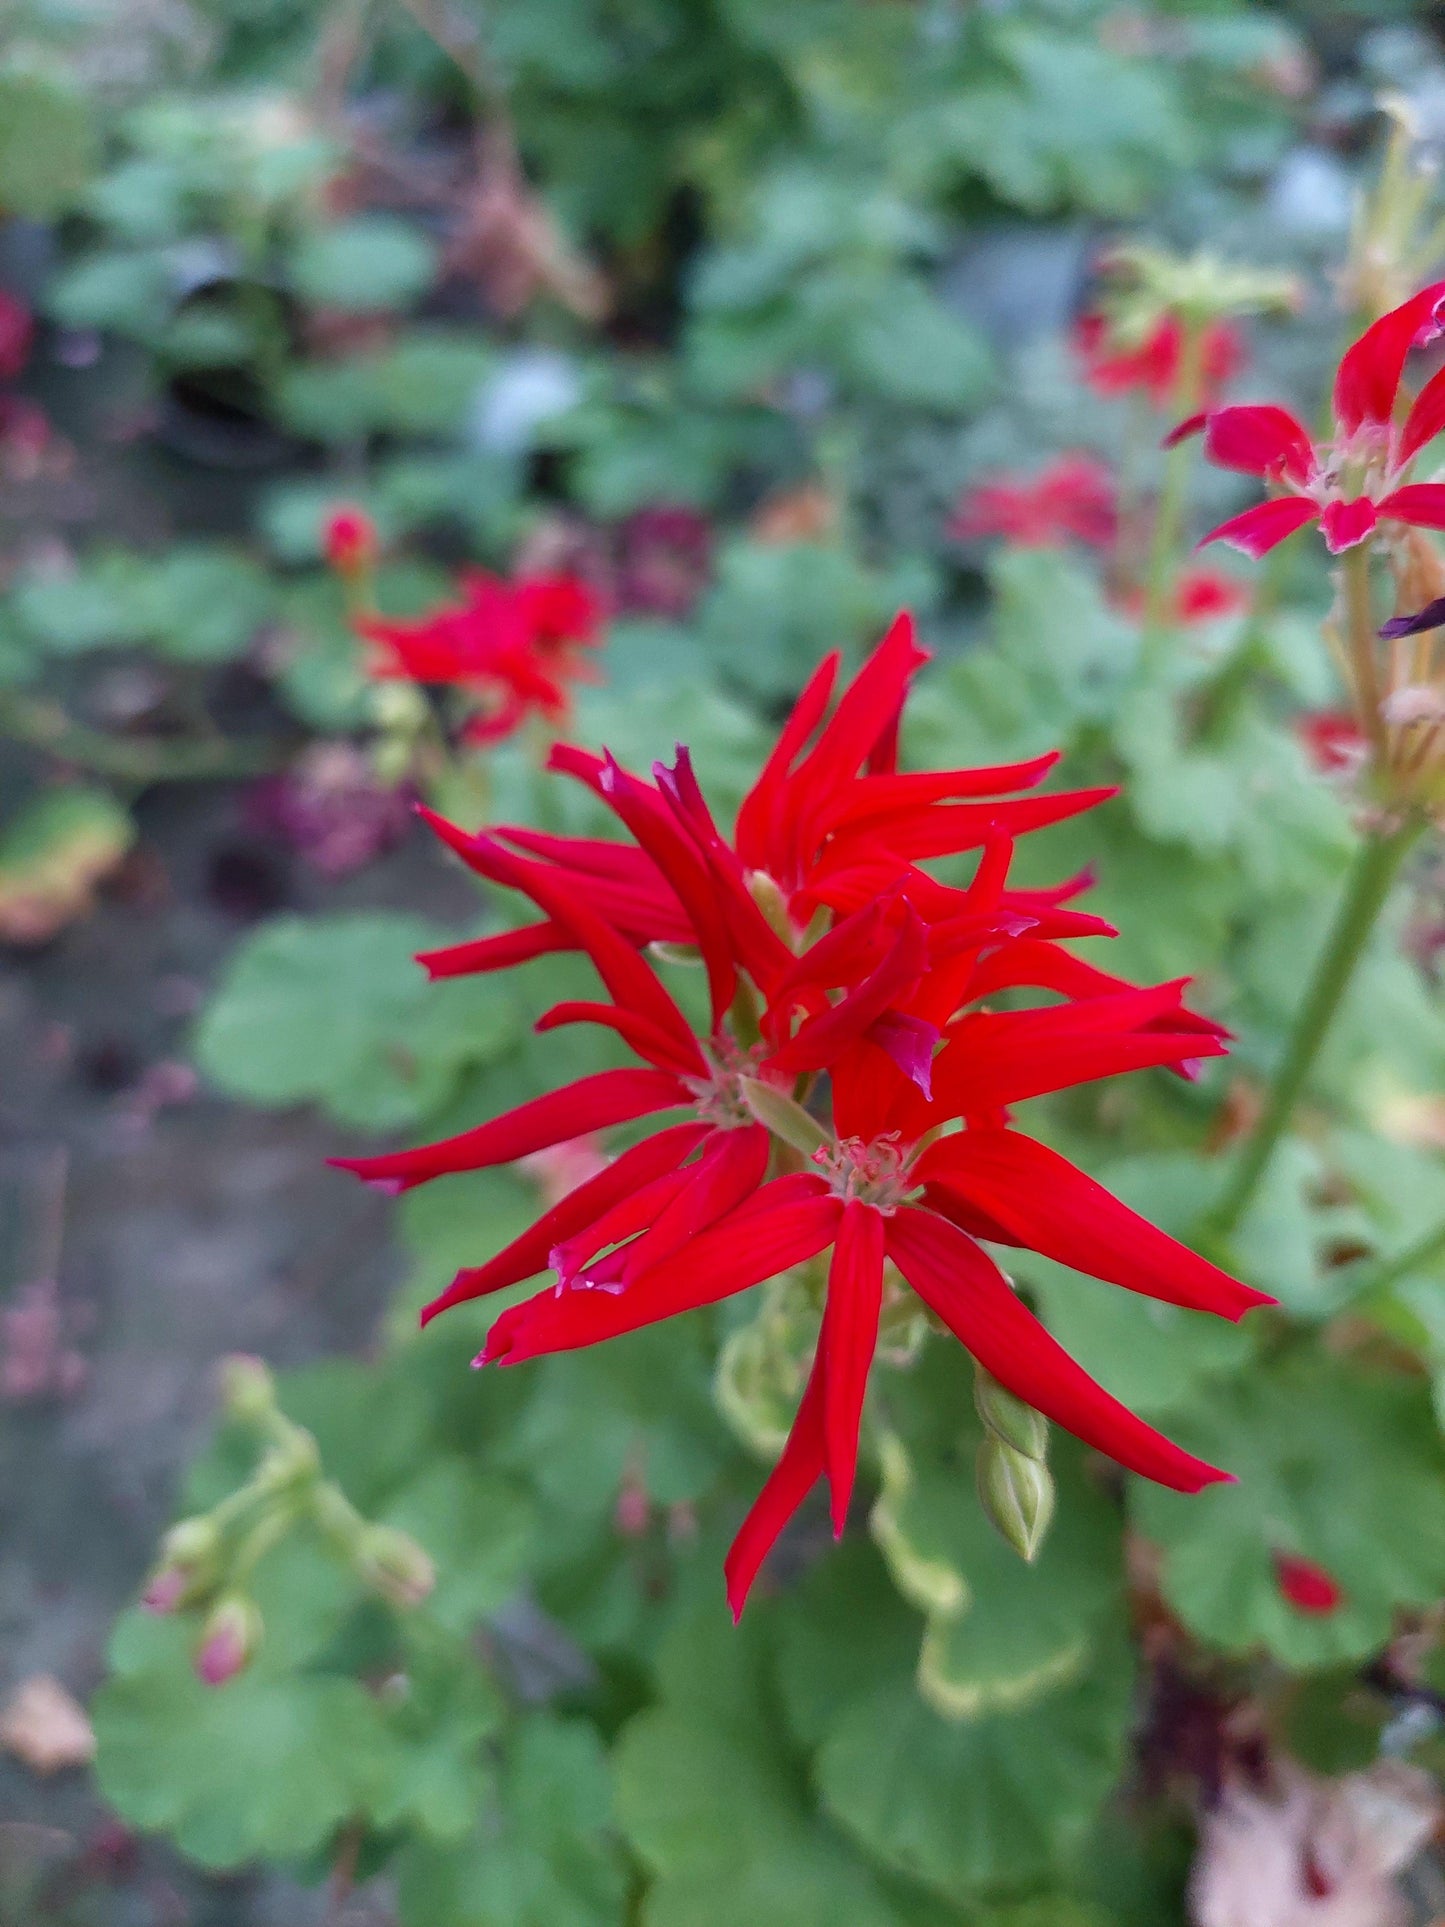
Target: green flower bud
x,y
188,1566
1008,1418
394,1565
247,1389
784,1118
1017,1493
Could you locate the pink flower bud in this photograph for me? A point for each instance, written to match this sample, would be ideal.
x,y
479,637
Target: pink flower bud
x,y
231,1636
350,540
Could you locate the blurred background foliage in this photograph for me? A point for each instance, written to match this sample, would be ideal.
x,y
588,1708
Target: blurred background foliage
x,y
723,306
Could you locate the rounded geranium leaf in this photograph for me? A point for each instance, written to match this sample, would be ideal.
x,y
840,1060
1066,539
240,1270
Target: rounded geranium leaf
x,y
1338,1475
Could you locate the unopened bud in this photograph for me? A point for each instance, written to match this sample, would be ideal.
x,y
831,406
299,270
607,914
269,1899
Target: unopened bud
x,y
767,893
1009,1418
398,707
247,1389
785,1119
186,1568
393,1564
1017,1493
349,540
229,1640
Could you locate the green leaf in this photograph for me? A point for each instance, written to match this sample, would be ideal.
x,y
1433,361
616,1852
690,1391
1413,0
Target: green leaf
x,y
479,1530
373,262
200,602
47,139
382,1056
961,1805
545,1858
1333,1467
268,1765
710,1801
969,1804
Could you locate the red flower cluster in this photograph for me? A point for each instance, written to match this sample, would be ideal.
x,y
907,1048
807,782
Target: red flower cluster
x,y
516,646
1071,500
1358,478
1153,366
852,1090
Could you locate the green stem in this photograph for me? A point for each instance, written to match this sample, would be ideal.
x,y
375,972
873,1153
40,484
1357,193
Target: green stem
x,y
46,726
1413,1258
1375,868
1168,528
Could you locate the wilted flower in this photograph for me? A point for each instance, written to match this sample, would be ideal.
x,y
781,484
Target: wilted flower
x,y
331,808
664,555
838,969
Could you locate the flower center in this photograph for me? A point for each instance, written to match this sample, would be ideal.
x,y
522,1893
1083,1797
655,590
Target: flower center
x,y
719,1097
866,1170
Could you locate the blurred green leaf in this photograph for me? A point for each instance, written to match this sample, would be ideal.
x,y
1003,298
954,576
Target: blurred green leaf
x,y
381,1057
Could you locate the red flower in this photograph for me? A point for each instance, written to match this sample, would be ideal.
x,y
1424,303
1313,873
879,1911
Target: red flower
x,y
1153,366
1358,478
1333,741
349,540
842,956
1308,1588
513,645
1204,595
1072,500
17,335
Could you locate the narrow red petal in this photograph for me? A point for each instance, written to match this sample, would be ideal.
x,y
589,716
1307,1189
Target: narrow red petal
x,y
500,952
963,1286
528,1255
1265,526
757,816
785,1223
1049,1205
1369,373
849,1340
732,1167
1425,419
638,1033
797,1471
591,1104
1420,503
1264,441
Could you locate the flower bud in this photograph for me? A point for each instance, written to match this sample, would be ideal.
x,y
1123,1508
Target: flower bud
x,y
1017,1493
247,1389
189,1555
394,1565
1008,1418
1308,1588
350,540
767,894
785,1119
229,1640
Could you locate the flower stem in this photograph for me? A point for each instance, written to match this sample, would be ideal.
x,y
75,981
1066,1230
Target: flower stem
x,y
1169,514
45,726
1413,1258
1375,868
